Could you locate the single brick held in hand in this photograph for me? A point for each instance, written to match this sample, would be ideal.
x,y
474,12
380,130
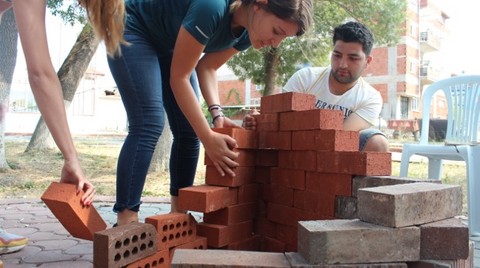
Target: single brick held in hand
x,y
246,158
125,244
409,204
286,102
243,175
246,139
79,220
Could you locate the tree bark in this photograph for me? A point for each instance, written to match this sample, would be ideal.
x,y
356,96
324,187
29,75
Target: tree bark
x,y
161,156
70,74
8,59
272,60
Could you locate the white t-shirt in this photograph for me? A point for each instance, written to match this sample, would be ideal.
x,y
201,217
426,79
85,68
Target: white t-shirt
x,y
362,99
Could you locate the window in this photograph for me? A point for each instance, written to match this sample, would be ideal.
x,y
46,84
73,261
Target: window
x,y
415,104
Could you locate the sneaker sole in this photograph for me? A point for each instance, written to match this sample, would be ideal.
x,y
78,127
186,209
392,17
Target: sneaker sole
x,y
6,250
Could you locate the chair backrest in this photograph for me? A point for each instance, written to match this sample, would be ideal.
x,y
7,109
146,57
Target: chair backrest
x,y
462,94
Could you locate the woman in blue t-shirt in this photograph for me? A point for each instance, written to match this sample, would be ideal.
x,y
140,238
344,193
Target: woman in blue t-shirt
x,y
175,48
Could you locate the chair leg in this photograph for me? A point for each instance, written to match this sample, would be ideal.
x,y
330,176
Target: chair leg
x,y
434,168
473,186
404,164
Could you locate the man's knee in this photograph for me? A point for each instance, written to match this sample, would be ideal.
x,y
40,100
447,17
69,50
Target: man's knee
x,y
377,143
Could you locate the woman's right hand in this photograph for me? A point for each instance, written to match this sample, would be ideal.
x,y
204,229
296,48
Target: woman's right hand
x,y
219,148
72,173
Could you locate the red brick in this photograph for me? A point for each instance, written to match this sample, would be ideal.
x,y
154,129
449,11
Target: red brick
x,y
262,175
275,140
173,229
79,220
222,235
288,235
246,158
336,184
251,243
325,140
243,175
278,194
321,204
288,215
199,242
232,214
266,158
303,160
246,139
293,178
266,121
248,193
312,119
265,227
188,258
204,198
373,164
270,244
337,162
161,259
125,244
289,101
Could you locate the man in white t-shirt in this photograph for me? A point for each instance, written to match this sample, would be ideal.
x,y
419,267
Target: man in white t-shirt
x,y
341,87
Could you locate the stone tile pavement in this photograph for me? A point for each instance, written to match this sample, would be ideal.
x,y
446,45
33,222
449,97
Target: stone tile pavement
x,y
51,246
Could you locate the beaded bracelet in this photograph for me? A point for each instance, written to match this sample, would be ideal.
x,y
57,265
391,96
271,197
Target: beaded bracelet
x,y
216,117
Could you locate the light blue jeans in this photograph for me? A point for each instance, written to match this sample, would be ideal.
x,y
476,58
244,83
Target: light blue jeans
x,y
142,77
366,134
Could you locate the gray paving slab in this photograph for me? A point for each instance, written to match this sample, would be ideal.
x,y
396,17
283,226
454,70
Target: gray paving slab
x,y
51,246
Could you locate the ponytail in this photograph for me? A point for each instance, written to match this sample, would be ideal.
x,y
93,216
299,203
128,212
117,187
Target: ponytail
x,y
107,19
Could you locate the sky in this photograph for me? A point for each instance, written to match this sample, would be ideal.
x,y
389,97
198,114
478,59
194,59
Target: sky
x,y
462,49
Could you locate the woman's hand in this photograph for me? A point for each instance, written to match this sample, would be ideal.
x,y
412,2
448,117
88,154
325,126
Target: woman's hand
x,y
219,148
225,122
72,173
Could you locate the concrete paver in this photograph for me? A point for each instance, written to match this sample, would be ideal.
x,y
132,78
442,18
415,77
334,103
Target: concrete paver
x,y
51,246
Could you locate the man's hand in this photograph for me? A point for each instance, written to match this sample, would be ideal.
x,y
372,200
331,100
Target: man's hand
x,y
249,121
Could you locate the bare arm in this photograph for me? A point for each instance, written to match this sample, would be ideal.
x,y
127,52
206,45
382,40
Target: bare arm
x,y
30,18
185,58
355,123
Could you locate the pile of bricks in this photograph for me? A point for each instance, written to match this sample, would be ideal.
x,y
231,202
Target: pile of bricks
x,y
303,196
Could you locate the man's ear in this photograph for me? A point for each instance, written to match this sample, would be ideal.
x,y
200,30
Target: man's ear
x,y
369,59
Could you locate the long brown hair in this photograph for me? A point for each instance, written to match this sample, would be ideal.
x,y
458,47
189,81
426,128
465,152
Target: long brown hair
x,y
107,19
297,11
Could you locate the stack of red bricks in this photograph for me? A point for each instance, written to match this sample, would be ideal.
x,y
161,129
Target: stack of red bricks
x,y
149,244
292,168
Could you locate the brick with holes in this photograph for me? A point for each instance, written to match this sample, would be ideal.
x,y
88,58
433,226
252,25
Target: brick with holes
x,y
122,245
173,229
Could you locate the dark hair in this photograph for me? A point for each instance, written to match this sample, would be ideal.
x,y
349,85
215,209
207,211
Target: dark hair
x,y
354,32
296,11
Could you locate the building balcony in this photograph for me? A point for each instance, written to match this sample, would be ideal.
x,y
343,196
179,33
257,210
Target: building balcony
x,y
429,74
429,42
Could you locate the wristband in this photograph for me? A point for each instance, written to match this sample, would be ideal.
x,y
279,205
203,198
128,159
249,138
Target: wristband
x,y
214,107
216,117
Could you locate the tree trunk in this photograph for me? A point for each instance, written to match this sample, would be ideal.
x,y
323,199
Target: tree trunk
x,y
161,156
8,59
272,60
70,74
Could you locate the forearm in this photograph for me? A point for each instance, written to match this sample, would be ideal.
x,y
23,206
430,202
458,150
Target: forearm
x,y
209,85
49,98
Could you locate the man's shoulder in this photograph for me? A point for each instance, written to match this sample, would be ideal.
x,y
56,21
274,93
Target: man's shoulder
x,y
312,70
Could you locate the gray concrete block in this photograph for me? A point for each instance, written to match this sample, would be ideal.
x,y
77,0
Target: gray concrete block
x,y
354,241
297,261
345,207
444,240
409,204
360,182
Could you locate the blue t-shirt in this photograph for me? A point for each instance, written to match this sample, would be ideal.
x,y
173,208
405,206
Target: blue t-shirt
x,y
208,21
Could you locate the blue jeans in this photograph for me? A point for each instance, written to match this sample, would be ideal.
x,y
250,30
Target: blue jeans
x,y
142,78
366,134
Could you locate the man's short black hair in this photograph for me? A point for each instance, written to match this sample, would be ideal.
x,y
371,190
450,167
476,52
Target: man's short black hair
x,y
353,31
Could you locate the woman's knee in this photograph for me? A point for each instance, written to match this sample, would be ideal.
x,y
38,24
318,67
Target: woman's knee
x,y
377,143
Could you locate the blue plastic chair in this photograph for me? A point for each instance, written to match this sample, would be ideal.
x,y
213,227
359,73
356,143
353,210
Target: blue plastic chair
x,y
461,139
